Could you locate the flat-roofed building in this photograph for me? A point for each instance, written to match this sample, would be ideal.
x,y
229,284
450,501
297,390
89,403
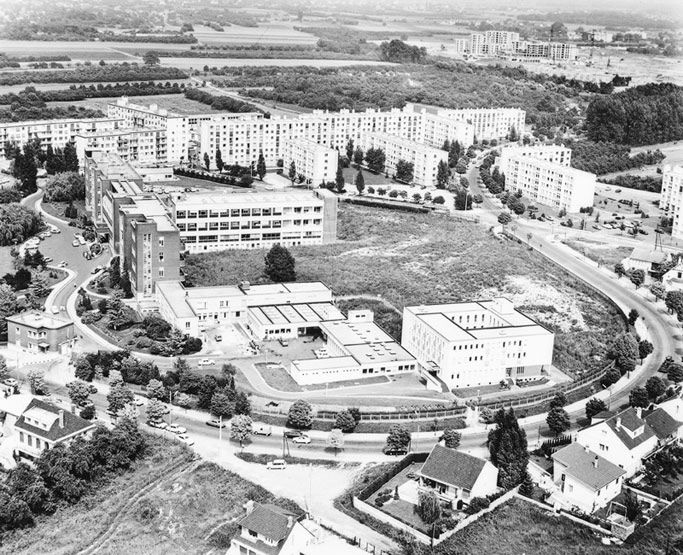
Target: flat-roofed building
x,y
554,185
486,123
316,162
132,144
289,321
671,198
247,220
476,343
555,154
39,332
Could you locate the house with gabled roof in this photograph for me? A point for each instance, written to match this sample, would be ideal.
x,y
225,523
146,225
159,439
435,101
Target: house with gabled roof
x,y
43,425
624,439
666,427
456,476
584,479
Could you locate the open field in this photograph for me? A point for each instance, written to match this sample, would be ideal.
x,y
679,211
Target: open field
x,y
171,102
413,259
190,510
602,253
199,63
268,33
77,50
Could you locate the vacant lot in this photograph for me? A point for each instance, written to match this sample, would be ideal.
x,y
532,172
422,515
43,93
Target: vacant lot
x,y
413,259
602,253
190,509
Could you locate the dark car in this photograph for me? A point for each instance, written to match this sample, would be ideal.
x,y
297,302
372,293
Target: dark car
x,y
215,423
395,451
292,433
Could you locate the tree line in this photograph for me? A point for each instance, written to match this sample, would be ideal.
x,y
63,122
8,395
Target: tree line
x,y
604,157
223,103
110,72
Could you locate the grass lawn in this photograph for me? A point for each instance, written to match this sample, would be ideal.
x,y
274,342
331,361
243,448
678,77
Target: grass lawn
x,y
413,259
57,208
602,253
277,377
190,510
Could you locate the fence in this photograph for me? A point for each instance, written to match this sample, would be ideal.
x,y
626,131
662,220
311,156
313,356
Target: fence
x,y
415,414
378,482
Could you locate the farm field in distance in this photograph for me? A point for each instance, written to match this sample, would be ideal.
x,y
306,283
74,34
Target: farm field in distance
x,y
412,259
199,63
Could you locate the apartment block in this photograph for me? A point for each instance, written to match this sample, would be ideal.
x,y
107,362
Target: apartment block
x,y
425,159
55,133
671,197
133,144
486,123
473,344
316,162
247,220
507,44
554,185
555,154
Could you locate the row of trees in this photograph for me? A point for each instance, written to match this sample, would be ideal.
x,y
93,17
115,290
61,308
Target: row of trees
x,y
604,157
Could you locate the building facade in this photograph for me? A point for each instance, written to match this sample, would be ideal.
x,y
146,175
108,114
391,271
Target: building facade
x,y
671,198
554,154
316,162
476,343
40,332
133,144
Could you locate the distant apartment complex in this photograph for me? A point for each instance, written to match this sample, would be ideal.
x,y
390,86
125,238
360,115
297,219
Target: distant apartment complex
x,y
476,343
543,174
138,144
316,162
671,198
245,220
507,44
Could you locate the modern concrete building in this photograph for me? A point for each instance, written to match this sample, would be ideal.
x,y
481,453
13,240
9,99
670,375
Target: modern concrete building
x,y
555,154
671,198
40,332
316,162
55,133
132,144
507,44
425,159
554,185
484,123
213,221
476,343
43,425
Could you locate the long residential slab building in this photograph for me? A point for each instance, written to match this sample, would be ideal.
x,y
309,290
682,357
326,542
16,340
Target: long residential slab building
x,y
671,198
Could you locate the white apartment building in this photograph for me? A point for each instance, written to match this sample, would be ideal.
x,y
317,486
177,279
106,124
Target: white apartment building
x,y
555,154
132,144
537,51
425,159
487,123
316,162
213,221
671,197
550,184
473,344
55,133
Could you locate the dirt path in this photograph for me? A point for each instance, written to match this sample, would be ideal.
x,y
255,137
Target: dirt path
x,y
369,298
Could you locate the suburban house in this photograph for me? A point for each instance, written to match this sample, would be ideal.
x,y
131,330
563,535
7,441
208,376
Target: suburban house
x,y
584,479
457,477
625,439
646,259
673,279
267,529
43,425
666,427
40,332
674,408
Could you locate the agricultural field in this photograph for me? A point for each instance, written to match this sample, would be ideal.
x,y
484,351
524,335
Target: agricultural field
x,y
199,63
412,259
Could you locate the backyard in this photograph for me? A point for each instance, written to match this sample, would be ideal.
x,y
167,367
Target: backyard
x,y
412,259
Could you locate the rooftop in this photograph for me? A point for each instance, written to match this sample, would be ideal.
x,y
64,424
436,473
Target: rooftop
x,y
39,320
646,254
242,198
587,467
453,467
662,423
270,521
47,415
295,313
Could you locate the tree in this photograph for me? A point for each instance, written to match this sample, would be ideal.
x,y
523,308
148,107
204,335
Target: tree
x,y
339,182
345,421
443,175
560,400
527,487
674,303
637,277
375,159
405,171
261,166
240,428
595,406
4,371
207,161
118,397
242,403
638,397
155,410
79,392
219,160
645,348
612,376
222,405
349,150
87,412
633,317
359,182
300,414
558,420
619,269
150,58
428,507
513,136
504,218
451,438
658,290
36,381
335,440
655,387
398,438
624,352
292,172
675,373
280,264
633,510
508,449
70,157
358,156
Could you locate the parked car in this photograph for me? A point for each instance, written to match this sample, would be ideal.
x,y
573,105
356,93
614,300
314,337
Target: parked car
x,y
81,240
48,259
277,464
62,308
186,440
261,430
216,423
176,429
56,230
218,337
292,433
303,438
160,424
11,382
62,264
284,342
395,451
75,243
54,310
206,362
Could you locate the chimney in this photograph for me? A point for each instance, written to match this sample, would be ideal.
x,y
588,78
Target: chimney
x,y
618,422
595,462
639,412
586,449
249,506
60,415
290,521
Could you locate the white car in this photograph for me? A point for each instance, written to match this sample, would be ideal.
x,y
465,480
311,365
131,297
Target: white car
x,y
186,439
277,464
54,310
303,438
206,362
75,243
62,264
174,428
81,240
161,425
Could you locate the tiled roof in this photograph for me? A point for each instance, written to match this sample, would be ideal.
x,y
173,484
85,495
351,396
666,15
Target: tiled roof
x,y
603,415
72,423
580,463
631,421
662,423
452,467
270,521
